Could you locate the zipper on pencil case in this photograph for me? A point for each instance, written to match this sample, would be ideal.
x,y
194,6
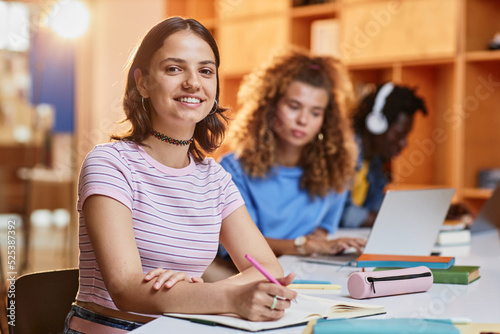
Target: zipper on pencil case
x,y
372,280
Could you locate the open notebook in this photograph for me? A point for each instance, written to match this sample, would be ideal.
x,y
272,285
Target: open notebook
x,y
306,308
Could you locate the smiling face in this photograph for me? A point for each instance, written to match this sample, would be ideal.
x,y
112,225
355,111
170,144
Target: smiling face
x,y
300,114
181,83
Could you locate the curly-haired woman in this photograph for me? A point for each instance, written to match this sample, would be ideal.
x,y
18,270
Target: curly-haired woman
x,y
294,151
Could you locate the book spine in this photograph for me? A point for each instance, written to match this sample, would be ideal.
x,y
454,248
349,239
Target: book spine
x,y
405,264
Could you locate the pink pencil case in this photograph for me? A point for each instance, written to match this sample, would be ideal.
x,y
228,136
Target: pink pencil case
x,y
372,284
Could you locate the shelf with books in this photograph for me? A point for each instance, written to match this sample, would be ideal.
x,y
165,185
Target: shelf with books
x,y
380,41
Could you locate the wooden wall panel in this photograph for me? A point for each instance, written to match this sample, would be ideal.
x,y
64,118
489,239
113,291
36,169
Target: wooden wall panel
x,y
247,43
374,30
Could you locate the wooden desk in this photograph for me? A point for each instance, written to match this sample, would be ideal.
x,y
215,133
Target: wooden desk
x,y
479,301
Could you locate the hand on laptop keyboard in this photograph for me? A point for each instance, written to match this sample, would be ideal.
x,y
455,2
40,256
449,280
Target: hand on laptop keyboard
x,y
350,250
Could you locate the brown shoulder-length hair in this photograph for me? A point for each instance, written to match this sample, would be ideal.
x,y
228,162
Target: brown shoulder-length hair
x,y
328,163
209,132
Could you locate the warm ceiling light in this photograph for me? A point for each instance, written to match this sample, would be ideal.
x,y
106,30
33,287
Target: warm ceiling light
x,y
69,18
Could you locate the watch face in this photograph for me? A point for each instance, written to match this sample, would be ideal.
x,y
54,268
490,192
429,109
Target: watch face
x,y
299,244
300,241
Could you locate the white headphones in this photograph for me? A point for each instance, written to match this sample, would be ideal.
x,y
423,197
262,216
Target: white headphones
x,y
375,121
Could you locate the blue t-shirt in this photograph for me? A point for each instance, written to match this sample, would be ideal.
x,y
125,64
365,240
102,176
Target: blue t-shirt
x,y
279,207
354,215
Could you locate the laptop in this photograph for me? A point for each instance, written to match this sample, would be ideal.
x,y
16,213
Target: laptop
x,y
407,223
488,217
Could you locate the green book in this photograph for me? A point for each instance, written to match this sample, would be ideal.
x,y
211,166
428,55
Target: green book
x,y
452,275
456,274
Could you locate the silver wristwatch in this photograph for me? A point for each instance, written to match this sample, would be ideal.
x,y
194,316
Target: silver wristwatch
x,y
299,244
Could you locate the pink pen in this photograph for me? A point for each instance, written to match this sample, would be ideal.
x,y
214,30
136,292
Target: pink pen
x,y
261,269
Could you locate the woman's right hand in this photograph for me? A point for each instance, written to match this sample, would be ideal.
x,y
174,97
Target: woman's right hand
x,y
254,301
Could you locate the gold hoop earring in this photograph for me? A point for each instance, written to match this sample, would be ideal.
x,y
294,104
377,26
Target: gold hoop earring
x,y
143,106
214,109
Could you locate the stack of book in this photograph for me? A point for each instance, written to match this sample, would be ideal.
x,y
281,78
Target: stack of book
x,y
453,233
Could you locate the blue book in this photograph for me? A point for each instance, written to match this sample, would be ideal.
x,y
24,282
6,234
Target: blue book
x,y
384,326
308,281
404,261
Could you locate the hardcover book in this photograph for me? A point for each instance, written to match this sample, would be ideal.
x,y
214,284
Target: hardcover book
x,y
384,326
452,275
456,274
404,261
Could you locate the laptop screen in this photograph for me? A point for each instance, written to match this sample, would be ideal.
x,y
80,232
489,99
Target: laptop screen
x,y
409,221
489,216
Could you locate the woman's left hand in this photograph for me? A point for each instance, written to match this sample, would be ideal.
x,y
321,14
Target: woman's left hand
x,y
168,278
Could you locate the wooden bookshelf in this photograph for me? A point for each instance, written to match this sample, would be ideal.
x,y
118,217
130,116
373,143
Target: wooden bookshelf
x,y
438,47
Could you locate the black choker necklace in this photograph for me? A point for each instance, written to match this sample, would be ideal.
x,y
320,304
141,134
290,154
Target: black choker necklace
x,y
169,140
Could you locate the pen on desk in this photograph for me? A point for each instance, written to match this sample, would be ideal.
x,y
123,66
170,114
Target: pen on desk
x,y
314,286
308,281
262,269
455,321
460,321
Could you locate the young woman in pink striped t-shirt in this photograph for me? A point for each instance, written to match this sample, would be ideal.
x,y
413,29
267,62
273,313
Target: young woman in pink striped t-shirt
x,y
152,208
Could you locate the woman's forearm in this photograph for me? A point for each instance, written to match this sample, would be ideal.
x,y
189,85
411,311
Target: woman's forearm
x,y
138,295
282,246
251,274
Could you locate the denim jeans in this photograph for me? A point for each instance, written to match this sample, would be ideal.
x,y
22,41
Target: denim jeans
x,y
80,312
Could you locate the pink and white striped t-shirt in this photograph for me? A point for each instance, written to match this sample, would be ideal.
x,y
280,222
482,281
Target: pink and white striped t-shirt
x,y
176,213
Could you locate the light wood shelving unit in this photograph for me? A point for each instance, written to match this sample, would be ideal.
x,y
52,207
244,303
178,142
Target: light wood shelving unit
x,y
438,47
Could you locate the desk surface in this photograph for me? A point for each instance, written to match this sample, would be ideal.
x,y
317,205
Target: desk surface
x,y
479,301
